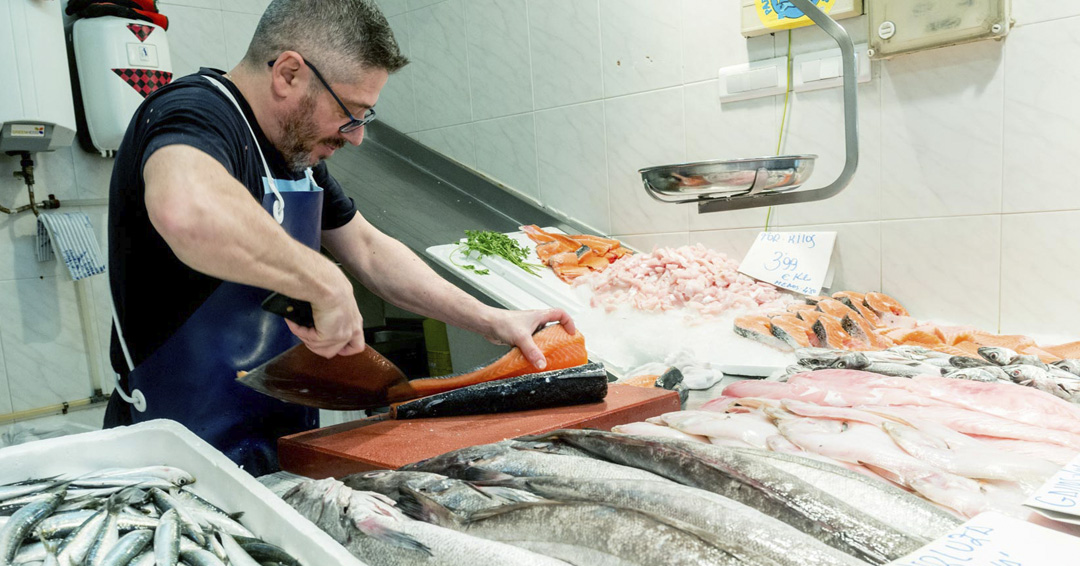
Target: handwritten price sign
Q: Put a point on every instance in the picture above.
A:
(992, 539)
(1059, 498)
(796, 261)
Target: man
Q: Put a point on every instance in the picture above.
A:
(219, 195)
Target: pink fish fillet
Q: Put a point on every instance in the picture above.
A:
(1059, 455)
(860, 443)
(752, 428)
(839, 388)
(1006, 400)
(650, 429)
(981, 424)
(778, 443)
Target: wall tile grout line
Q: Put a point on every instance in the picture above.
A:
(532, 91)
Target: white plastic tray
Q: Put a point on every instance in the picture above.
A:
(217, 479)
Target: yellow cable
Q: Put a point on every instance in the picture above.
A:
(783, 119)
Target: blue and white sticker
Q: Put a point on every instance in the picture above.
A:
(782, 14)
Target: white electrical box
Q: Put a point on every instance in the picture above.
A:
(907, 26)
(824, 69)
(36, 109)
(753, 80)
(760, 17)
(120, 63)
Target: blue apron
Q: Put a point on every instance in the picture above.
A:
(191, 378)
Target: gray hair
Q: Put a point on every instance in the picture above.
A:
(337, 34)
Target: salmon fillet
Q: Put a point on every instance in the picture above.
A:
(921, 336)
(833, 307)
(1046, 357)
(561, 349)
(1068, 351)
(1015, 342)
(953, 335)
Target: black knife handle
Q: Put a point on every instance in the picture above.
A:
(292, 309)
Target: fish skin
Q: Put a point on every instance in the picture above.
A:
(127, 548)
(972, 373)
(888, 503)
(771, 491)
(107, 538)
(1037, 378)
(144, 559)
(572, 386)
(22, 523)
(963, 362)
(457, 496)
(370, 527)
(999, 355)
(586, 533)
(739, 530)
(265, 552)
(1029, 360)
(74, 548)
(208, 514)
(561, 350)
(1070, 365)
(167, 539)
(235, 553)
(200, 557)
(762, 335)
(191, 524)
(495, 461)
(22, 489)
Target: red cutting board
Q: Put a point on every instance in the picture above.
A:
(376, 444)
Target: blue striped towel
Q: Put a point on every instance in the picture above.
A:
(72, 237)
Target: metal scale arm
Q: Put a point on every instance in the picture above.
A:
(758, 194)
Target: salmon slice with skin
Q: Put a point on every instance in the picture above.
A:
(759, 329)
(793, 330)
(830, 334)
(835, 308)
(561, 350)
(884, 304)
(548, 249)
(860, 329)
(810, 316)
(921, 336)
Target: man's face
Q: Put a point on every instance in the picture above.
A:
(309, 130)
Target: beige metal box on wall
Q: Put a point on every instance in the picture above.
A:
(907, 26)
(760, 17)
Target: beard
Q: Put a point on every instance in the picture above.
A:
(299, 136)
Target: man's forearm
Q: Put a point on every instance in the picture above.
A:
(393, 272)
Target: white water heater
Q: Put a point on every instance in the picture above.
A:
(120, 62)
(36, 110)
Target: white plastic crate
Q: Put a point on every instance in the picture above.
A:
(217, 479)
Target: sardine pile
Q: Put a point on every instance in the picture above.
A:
(121, 517)
(995, 365)
(589, 497)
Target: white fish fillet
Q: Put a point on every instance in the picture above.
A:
(750, 428)
(650, 429)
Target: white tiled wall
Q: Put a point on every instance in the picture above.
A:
(43, 352)
(964, 184)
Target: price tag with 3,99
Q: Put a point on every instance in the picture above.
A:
(993, 539)
(796, 261)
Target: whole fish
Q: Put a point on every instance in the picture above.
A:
(234, 552)
(891, 505)
(51, 549)
(1071, 366)
(22, 523)
(77, 544)
(754, 483)
(496, 461)
(127, 548)
(998, 355)
(586, 533)
(972, 373)
(167, 539)
(817, 358)
(174, 476)
(457, 496)
(372, 529)
(902, 370)
(210, 514)
(191, 525)
(1033, 376)
(741, 531)
(62, 524)
(22, 489)
(144, 559)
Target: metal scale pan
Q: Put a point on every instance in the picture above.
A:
(767, 181)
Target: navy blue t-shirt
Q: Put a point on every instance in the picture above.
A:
(155, 292)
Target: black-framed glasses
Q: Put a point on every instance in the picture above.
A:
(354, 123)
